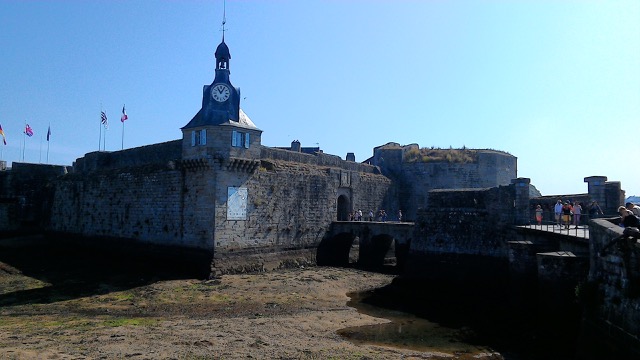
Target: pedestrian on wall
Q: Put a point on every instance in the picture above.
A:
(627, 218)
(567, 211)
(539, 214)
(595, 210)
(635, 209)
(557, 210)
(400, 215)
(359, 215)
(370, 215)
(577, 211)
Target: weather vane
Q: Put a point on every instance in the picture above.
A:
(224, 17)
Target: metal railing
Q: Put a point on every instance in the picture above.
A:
(581, 231)
(573, 228)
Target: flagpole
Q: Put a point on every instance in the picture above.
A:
(24, 133)
(100, 127)
(123, 118)
(48, 135)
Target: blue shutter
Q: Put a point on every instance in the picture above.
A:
(203, 137)
(193, 138)
(246, 140)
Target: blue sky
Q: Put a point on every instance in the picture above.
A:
(554, 83)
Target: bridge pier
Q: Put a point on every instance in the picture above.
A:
(376, 242)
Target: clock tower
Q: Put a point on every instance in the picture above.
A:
(220, 129)
(220, 100)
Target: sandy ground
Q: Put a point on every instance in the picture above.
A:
(288, 314)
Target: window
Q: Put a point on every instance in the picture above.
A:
(199, 137)
(240, 139)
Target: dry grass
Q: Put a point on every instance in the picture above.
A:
(460, 156)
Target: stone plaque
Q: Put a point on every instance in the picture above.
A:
(345, 179)
(237, 203)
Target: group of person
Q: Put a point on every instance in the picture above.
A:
(567, 213)
(380, 216)
(629, 215)
(630, 221)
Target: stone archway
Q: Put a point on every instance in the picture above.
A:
(374, 250)
(343, 208)
(336, 250)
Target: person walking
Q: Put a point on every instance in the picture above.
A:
(566, 214)
(539, 215)
(577, 211)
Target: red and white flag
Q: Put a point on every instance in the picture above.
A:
(124, 114)
(28, 130)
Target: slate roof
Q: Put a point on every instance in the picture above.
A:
(199, 121)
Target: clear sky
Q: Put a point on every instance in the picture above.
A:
(554, 83)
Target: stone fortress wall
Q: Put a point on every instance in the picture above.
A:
(26, 196)
(416, 178)
(148, 195)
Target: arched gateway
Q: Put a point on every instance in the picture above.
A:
(343, 208)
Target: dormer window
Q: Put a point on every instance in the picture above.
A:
(240, 139)
(199, 137)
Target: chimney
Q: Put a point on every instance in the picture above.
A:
(295, 146)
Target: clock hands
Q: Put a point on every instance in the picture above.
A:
(220, 92)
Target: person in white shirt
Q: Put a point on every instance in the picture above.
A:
(557, 209)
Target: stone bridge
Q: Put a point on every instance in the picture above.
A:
(367, 242)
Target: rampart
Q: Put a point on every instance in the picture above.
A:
(461, 229)
(415, 179)
(462, 221)
(611, 297)
(25, 196)
(292, 199)
(158, 154)
(318, 159)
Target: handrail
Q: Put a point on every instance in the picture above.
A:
(580, 231)
(550, 224)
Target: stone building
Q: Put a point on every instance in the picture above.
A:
(219, 193)
(415, 173)
(216, 191)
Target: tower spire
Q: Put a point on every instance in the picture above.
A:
(222, 52)
(224, 17)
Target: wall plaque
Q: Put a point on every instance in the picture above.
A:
(237, 203)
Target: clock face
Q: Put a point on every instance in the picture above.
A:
(220, 92)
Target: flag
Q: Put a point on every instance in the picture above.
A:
(4, 139)
(103, 118)
(124, 114)
(48, 133)
(28, 130)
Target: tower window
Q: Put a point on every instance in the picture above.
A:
(240, 139)
(199, 137)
